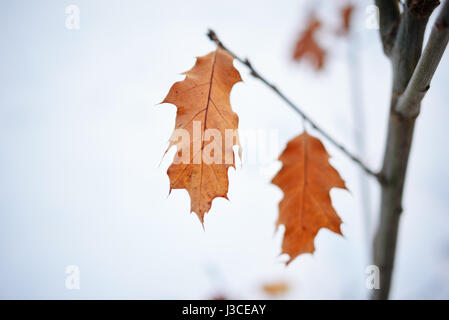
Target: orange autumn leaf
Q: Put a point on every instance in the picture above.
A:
(306, 178)
(308, 48)
(203, 114)
(275, 288)
(219, 297)
(346, 15)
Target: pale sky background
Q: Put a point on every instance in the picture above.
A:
(81, 140)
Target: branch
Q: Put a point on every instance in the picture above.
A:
(213, 37)
(408, 44)
(404, 56)
(409, 103)
(389, 21)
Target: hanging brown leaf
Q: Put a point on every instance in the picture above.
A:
(308, 48)
(306, 178)
(205, 130)
(346, 15)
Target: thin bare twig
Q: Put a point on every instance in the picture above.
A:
(213, 36)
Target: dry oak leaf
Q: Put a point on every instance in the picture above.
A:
(276, 288)
(346, 15)
(308, 48)
(306, 178)
(204, 113)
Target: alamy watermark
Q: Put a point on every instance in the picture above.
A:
(72, 20)
(373, 277)
(372, 17)
(72, 280)
(213, 146)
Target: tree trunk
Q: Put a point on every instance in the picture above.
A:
(402, 38)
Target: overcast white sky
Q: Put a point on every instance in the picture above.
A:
(81, 139)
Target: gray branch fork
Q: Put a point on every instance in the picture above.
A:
(402, 37)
